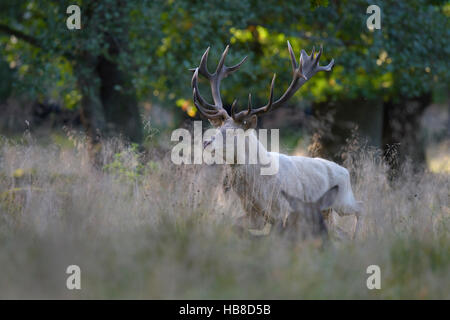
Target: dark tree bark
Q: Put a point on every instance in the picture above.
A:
(402, 131)
(392, 126)
(92, 112)
(118, 99)
(338, 121)
(109, 104)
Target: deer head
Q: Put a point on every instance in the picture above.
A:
(304, 70)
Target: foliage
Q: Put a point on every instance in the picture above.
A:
(407, 57)
(127, 166)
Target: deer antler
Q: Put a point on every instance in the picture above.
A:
(307, 67)
(210, 111)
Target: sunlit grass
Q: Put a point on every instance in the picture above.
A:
(439, 158)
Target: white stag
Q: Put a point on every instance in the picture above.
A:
(306, 178)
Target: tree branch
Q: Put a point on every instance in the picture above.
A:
(30, 40)
(20, 35)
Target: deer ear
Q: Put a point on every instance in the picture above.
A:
(253, 121)
(327, 200)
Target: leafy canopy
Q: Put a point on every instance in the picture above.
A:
(164, 38)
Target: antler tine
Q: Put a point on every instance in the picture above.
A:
(307, 67)
(222, 69)
(316, 60)
(222, 60)
(270, 103)
(207, 110)
(230, 70)
(221, 72)
(303, 55)
(233, 108)
(300, 69)
(203, 67)
(244, 113)
(293, 61)
(210, 114)
(250, 110)
(194, 84)
(272, 85)
(328, 67)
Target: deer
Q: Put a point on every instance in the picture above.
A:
(306, 178)
(306, 218)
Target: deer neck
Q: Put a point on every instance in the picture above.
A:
(249, 153)
(247, 169)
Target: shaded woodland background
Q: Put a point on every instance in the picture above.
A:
(140, 226)
(126, 71)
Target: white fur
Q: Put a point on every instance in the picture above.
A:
(304, 177)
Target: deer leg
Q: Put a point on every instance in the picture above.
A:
(320, 227)
(263, 232)
(252, 222)
(257, 219)
(356, 212)
(357, 225)
(240, 225)
(328, 217)
(333, 226)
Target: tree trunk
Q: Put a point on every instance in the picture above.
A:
(402, 132)
(339, 121)
(92, 110)
(390, 126)
(119, 101)
(108, 105)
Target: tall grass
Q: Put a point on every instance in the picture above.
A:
(140, 227)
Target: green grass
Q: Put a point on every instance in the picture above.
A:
(140, 227)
